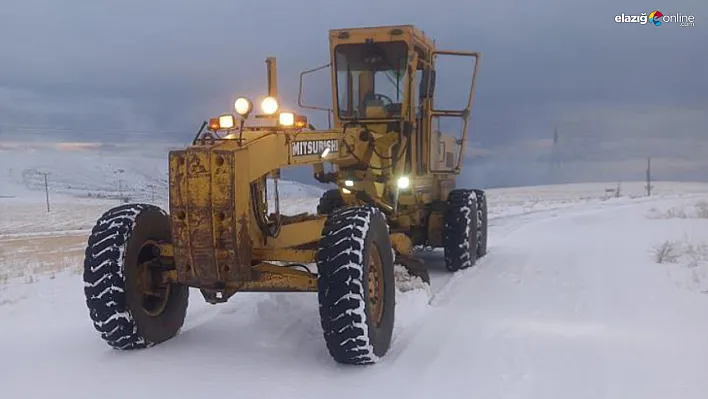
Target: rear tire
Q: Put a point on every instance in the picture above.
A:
(460, 230)
(330, 200)
(119, 244)
(356, 285)
(481, 222)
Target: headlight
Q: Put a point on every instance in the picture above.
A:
(242, 106)
(269, 105)
(403, 182)
(286, 119)
(227, 122)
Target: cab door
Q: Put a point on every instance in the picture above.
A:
(451, 84)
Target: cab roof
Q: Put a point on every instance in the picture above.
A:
(408, 31)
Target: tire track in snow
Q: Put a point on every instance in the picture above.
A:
(529, 309)
(441, 293)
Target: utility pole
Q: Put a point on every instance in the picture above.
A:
(555, 166)
(119, 172)
(152, 192)
(46, 188)
(649, 177)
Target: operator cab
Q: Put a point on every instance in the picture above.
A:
(370, 80)
(387, 79)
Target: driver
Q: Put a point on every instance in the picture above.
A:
(376, 105)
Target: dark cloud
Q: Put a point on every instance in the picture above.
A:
(616, 92)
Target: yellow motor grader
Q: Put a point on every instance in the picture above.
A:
(395, 173)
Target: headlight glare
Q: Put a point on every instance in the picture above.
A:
(286, 119)
(242, 106)
(269, 106)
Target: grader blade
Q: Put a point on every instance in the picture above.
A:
(416, 267)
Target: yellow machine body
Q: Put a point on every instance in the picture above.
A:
(223, 238)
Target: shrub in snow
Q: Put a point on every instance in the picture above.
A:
(697, 211)
(702, 210)
(666, 252)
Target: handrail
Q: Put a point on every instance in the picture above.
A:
(299, 95)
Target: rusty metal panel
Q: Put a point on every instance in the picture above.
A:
(198, 198)
(245, 235)
(224, 215)
(178, 215)
(206, 226)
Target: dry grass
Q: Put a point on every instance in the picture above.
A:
(685, 252)
(667, 252)
(689, 262)
(28, 258)
(696, 254)
(702, 210)
(697, 211)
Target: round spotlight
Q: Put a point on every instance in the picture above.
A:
(242, 106)
(269, 105)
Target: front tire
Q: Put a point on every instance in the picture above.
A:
(117, 277)
(330, 200)
(356, 285)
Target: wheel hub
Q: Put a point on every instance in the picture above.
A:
(376, 287)
(154, 292)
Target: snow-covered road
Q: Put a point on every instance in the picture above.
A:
(566, 307)
(567, 304)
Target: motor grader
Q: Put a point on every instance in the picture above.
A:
(395, 174)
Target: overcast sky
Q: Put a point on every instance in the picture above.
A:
(98, 70)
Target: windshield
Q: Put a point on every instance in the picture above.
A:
(370, 79)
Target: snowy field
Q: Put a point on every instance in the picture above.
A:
(584, 294)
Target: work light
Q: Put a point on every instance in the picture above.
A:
(269, 105)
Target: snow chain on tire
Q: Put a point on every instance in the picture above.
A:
(109, 265)
(348, 239)
(460, 230)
